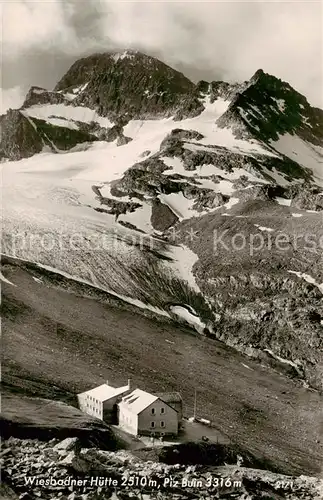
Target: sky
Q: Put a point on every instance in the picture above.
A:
(215, 40)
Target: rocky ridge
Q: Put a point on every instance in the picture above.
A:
(268, 107)
(130, 85)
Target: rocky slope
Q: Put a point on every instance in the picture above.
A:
(274, 310)
(62, 469)
(160, 167)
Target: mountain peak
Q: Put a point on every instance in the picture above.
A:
(258, 74)
(127, 82)
(267, 107)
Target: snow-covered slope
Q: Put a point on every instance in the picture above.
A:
(303, 152)
(62, 115)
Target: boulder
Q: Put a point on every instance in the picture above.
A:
(67, 444)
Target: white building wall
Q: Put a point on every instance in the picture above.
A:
(127, 420)
(90, 405)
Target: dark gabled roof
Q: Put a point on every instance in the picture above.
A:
(169, 397)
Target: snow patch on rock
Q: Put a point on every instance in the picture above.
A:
(70, 114)
(182, 265)
(5, 280)
(286, 361)
(283, 201)
(190, 317)
(263, 228)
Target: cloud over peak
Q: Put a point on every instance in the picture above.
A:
(213, 40)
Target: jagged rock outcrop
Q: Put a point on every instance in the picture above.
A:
(184, 145)
(208, 199)
(219, 89)
(189, 107)
(116, 207)
(23, 136)
(142, 179)
(181, 135)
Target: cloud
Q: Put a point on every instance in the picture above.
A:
(11, 98)
(28, 25)
(223, 40)
(232, 39)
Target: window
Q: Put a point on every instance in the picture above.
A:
(162, 423)
(152, 424)
(153, 411)
(162, 410)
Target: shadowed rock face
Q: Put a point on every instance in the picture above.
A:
(267, 107)
(61, 138)
(19, 139)
(131, 83)
(162, 217)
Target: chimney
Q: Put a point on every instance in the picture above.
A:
(107, 382)
(129, 383)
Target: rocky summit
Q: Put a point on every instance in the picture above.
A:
(282, 110)
(128, 84)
